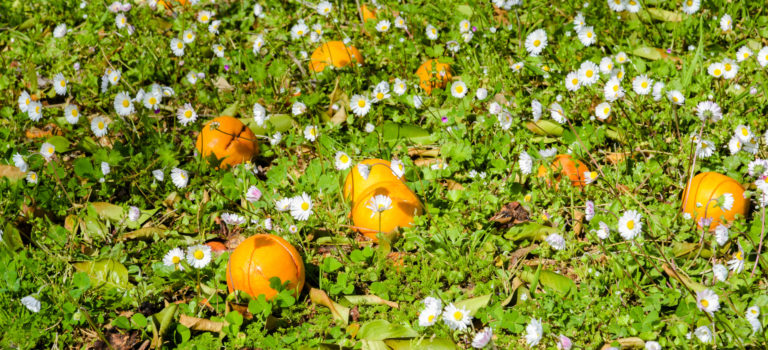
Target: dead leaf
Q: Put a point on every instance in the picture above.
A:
(452, 185)
(45, 131)
(354, 313)
(627, 343)
(426, 152)
(11, 172)
(511, 214)
(201, 324)
(578, 218)
(370, 300)
(222, 85)
(339, 312)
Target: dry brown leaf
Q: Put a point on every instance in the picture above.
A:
(201, 324)
(511, 214)
(222, 85)
(11, 172)
(339, 312)
(627, 343)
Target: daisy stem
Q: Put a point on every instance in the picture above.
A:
(760, 246)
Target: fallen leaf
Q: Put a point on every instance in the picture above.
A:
(339, 312)
(202, 324)
(626, 343)
(11, 172)
(222, 85)
(511, 214)
(369, 300)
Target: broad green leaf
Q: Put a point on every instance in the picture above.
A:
(409, 132)
(680, 249)
(108, 211)
(421, 344)
(340, 313)
(277, 122)
(160, 322)
(545, 128)
(664, 15)
(654, 54)
(144, 234)
(465, 10)
(369, 300)
(559, 283)
(60, 143)
(382, 330)
(105, 272)
(473, 305)
(530, 230)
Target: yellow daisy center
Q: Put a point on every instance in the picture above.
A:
(644, 84)
(631, 224)
(175, 260)
(606, 110)
(574, 81)
(63, 83)
(199, 255)
(593, 175)
(589, 73)
(728, 67)
(458, 315)
(187, 114)
(704, 302)
(344, 158)
(101, 125)
(126, 103)
(738, 256)
(361, 103)
(717, 72)
(305, 206)
(431, 318)
(527, 198)
(379, 95)
(300, 32)
(744, 131)
(589, 34)
(152, 100)
(459, 89)
(180, 45)
(26, 102)
(536, 42)
(689, 2)
(615, 88)
(50, 150)
(204, 18)
(674, 98)
(74, 113)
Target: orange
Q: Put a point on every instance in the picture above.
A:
(565, 165)
(701, 194)
(261, 257)
(405, 205)
(168, 5)
(433, 74)
(380, 171)
(216, 246)
(368, 14)
(334, 53)
(232, 141)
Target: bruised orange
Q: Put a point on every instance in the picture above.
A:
(405, 205)
(433, 74)
(565, 165)
(700, 198)
(167, 3)
(231, 141)
(216, 246)
(379, 171)
(259, 258)
(368, 14)
(334, 53)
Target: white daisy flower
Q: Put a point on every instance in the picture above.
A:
(383, 26)
(556, 241)
(557, 113)
(630, 225)
(218, 50)
(213, 28)
(755, 324)
(572, 82)
(417, 101)
(359, 105)
(400, 23)
(31, 303)
(737, 263)
(703, 333)
(613, 90)
(622, 57)
(762, 56)
(369, 128)
(299, 30)
(734, 145)
(114, 76)
(324, 8)
(301, 207)
(464, 26)
(705, 149)
(19, 162)
(121, 21)
(458, 89)
(726, 23)
(720, 272)
(298, 108)
(604, 231)
(536, 109)
(721, 234)
(481, 94)
(431, 32)
(590, 177)
(134, 213)
(632, 6)
(536, 42)
(258, 43)
(606, 65)
(71, 114)
(743, 54)
(753, 312)
(455, 318)
(204, 16)
(588, 73)
(716, 69)
(123, 104)
(578, 21)
(177, 47)
(730, 69)
(199, 256)
(186, 114)
(533, 332)
(253, 194)
(105, 169)
(709, 110)
(258, 10)
(276, 138)
(603, 111)
(482, 338)
(24, 101)
(259, 114)
(428, 317)
(60, 31)
(342, 161)
(397, 167)
(363, 170)
(379, 203)
(399, 87)
(158, 174)
(658, 88)
(32, 177)
(587, 36)
(642, 85)
(283, 204)
(691, 6)
(494, 108)
(47, 150)
(174, 258)
(676, 97)
(311, 133)
(188, 36)
(616, 5)
(505, 120)
(548, 152)
(152, 99)
(744, 133)
(60, 84)
(99, 126)
(525, 162)
(232, 219)
(707, 301)
(180, 177)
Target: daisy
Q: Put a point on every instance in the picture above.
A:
(324, 8)
(616, 5)
(642, 85)
(31, 303)
(481, 94)
(383, 26)
(167, 91)
(431, 32)
(762, 56)
(705, 149)
(622, 57)
(428, 316)
(186, 114)
(658, 87)
(121, 21)
(71, 114)
(587, 36)
(298, 108)
(557, 113)
(399, 87)
(505, 120)
(726, 23)
(123, 104)
(218, 50)
(572, 82)
(743, 54)
(517, 66)
(676, 97)
(533, 332)
(299, 30)
(737, 263)
(174, 258)
(589, 209)
(720, 272)
(482, 338)
(32, 177)
(417, 101)
(630, 224)
(380, 94)
(709, 110)
(258, 43)
(603, 231)
(105, 169)
(703, 333)
(283, 204)
(632, 6)
(734, 145)
(525, 162)
(177, 47)
(556, 241)
(707, 301)
(180, 177)
(603, 111)
(276, 138)
(755, 324)
(47, 150)
(232, 219)
(400, 23)
(588, 73)
(464, 26)
(259, 114)
(536, 42)
(113, 76)
(342, 161)
(458, 89)
(397, 167)
(455, 318)
(19, 162)
(548, 152)
(258, 11)
(24, 101)
(613, 90)
(152, 99)
(99, 126)
(60, 31)
(301, 207)
(60, 84)
(369, 128)
(252, 194)
(716, 69)
(590, 177)
(363, 170)
(134, 213)
(158, 174)
(536, 109)
(606, 65)
(199, 256)
(578, 21)
(753, 312)
(691, 6)
(204, 16)
(379, 203)
(494, 108)
(721, 234)
(359, 105)
(311, 133)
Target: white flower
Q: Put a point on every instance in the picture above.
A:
(134, 213)
(174, 258)
(18, 161)
(105, 169)
(186, 114)
(383, 26)
(658, 88)
(744, 133)
(588, 73)
(199, 256)
(213, 28)
(743, 54)
(60, 31)
(556, 241)
(652, 345)
(603, 111)
(31, 303)
(400, 23)
(482, 338)
(257, 44)
(737, 263)
(71, 114)
(311, 133)
(709, 110)
(703, 333)
(379, 203)
(299, 30)
(536, 42)
(60, 84)
(359, 105)
(298, 108)
(630, 224)
(464, 26)
(283, 204)
(431, 32)
(494, 108)
(755, 324)
(252, 194)
(218, 50)
(113, 76)
(589, 210)
(762, 56)
(505, 119)
(180, 177)
(381, 92)
(548, 152)
(32, 177)
(399, 87)
(613, 90)
(716, 69)
(589, 177)
(642, 85)
(707, 301)
(557, 113)
(720, 272)
(24, 101)
(572, 82)
(99, 126)
(120, 21)
(47, 150)
(433, 303)
(275, 139)
(232, 219)
(606, 65)
(123, 105)
(526, 163)
(259, 114)
(428, 317)
(705, 149)
(721, 234)
(458, 89)
(363, 170)
(158, 174)
(324, 8)
(301, 207)
(152, 99)
(676, 97)
(616, 5)
(204, 16)
(632, 6)
(730, 69)
(188, 36)
(342, 161)
(690, 7)
(455, 318)
(536, 109)
(533, 332)
(397, 167)
(578, 21)
(417, 101)
(258, 10)
(587, 36)
(603, 231)
(481, 94)
(753, 312)
(369, 128)
(177, 47)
